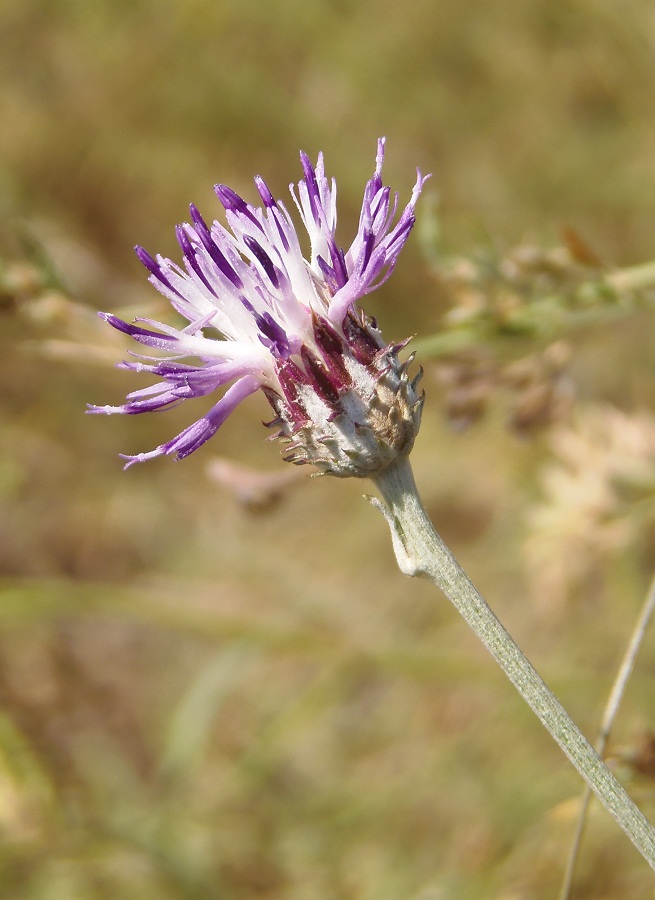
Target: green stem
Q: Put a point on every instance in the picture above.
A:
(420, 551)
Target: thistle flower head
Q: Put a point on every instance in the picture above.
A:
(261, 315)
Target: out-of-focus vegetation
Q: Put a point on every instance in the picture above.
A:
(214, 685)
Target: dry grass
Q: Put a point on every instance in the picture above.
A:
(202, 700)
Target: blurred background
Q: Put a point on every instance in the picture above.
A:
(214, 682)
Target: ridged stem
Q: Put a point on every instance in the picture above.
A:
(420, 551)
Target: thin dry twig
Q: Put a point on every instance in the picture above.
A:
(609, 716)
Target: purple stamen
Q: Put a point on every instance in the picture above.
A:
(264, 192)
(210, 245)
(154, 267)
(140, 334)
(262, 257)
(190, 253)
(312, 186)
(339, 263)
(234, 203)
(329, 276)
(274, 334)
(367, 248)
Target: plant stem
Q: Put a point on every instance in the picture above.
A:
(420, 551)
(633, 278)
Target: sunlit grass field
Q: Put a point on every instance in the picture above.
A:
(211, 688)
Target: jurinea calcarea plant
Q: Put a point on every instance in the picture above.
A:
(263, 316)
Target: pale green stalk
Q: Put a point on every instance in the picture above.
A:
(633, 279)
(420, 551)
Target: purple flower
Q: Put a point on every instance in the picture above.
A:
(261, 315)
